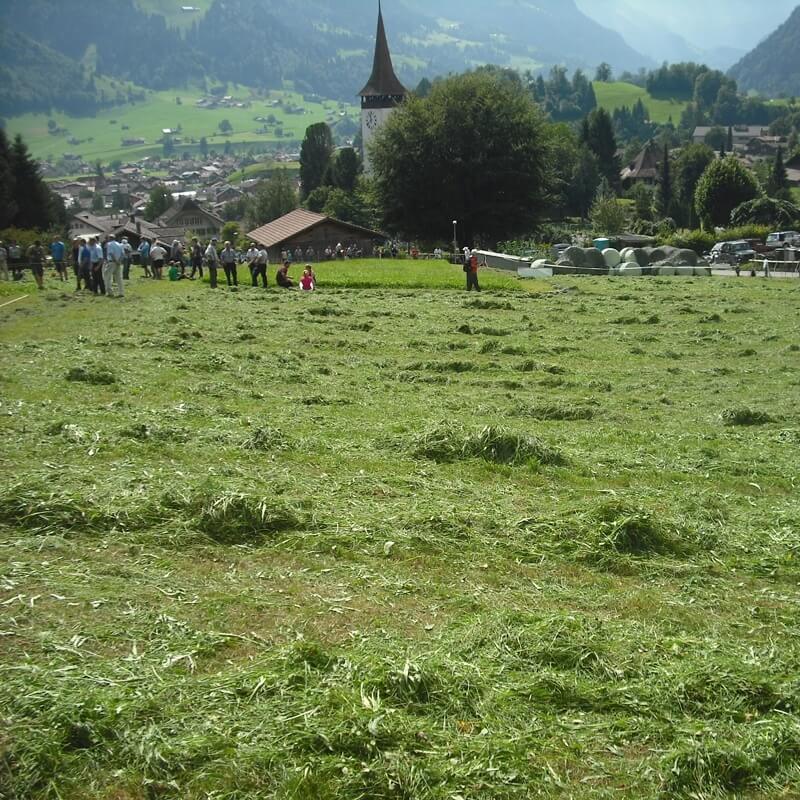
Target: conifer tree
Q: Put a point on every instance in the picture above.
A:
(8, 206)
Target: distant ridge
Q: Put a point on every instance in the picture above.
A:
(773, 67)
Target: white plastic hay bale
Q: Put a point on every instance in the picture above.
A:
(627, 255)
(684, 269)
(613, 270)
(612, 257)
(664, 269)
(630, 269)
(539, 263)
(702, 271)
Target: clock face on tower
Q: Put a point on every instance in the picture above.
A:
(372, 120)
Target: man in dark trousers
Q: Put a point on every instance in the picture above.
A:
(229, 264)
(471, 268)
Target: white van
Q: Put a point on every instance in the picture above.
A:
(783, 239)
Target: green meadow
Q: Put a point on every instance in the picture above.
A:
(393, 540)
(616, 95)
(161, 110)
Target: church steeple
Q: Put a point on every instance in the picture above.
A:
(383, 82)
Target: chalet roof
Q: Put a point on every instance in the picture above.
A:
(645, 165)
(383, 81)
(297, 222)
(187, 204)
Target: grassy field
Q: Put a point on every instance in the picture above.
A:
(398, 542)
(617, 95)
(147, 120)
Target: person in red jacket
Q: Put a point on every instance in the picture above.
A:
(471, 268)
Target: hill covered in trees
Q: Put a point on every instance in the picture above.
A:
(773, 67)
(319, 46)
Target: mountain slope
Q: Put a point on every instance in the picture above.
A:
(773, 68)
(715, 32)
(322, 46)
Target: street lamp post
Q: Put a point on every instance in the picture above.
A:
(455, 240)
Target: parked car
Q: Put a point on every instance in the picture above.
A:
(783, 239)
(732, 253)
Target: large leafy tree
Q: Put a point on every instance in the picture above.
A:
(725, 185)
(778, 181)
(474, 150)
(689, 168)
(160, 200)
(315, 157)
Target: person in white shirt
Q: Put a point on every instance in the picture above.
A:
(112, 268)
(157, 256)
(212, 262)
(260, 265)
(126, 258)
(251, 256)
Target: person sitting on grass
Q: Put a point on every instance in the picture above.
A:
(307, 281)
(282, 276)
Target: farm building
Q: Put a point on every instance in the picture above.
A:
(306, 229)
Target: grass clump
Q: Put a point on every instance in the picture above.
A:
(745, 416)
(97, 376)
(41, 510)
(266, 438)
(236, 518)
(558, 412)
(448, 443)
(619, 528)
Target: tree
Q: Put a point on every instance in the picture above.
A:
(225, 126)
(778, 181)
(272, 199)
(423, 88)
(8, 205)
(160, 200)
(203, 146)
(689, 168)
(603, 73)
(584, 181)
(729, 140)
(597, 132)
(230, 232)
(607, 216)
(725, 185)
(344, 169)
(32, 196)
(779, 214)
(642, 202)
(716, 137)
(315, 156)
(664, 187)
(473, 151)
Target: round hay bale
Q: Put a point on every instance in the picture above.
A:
(664, 269)
(594, 261)
(669, 250)
(540, 262)
(575, 256)
(684, 269)
(656, 254)
(630, 269)
(702, 271)
(639, 256)
(611, 257)
(688, 257)
(563, 262)
(626, 255)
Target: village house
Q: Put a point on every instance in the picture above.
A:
(304, 229)
(644, 168)
(188, 214)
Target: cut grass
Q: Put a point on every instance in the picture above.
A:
(389, 540)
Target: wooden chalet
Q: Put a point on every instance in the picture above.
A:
(304, 229)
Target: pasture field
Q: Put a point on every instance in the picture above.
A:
(393, 540)
(147, 120)
(619, 94)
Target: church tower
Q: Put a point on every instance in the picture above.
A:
(383, 92)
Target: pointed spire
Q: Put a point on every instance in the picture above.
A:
(383, 81)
